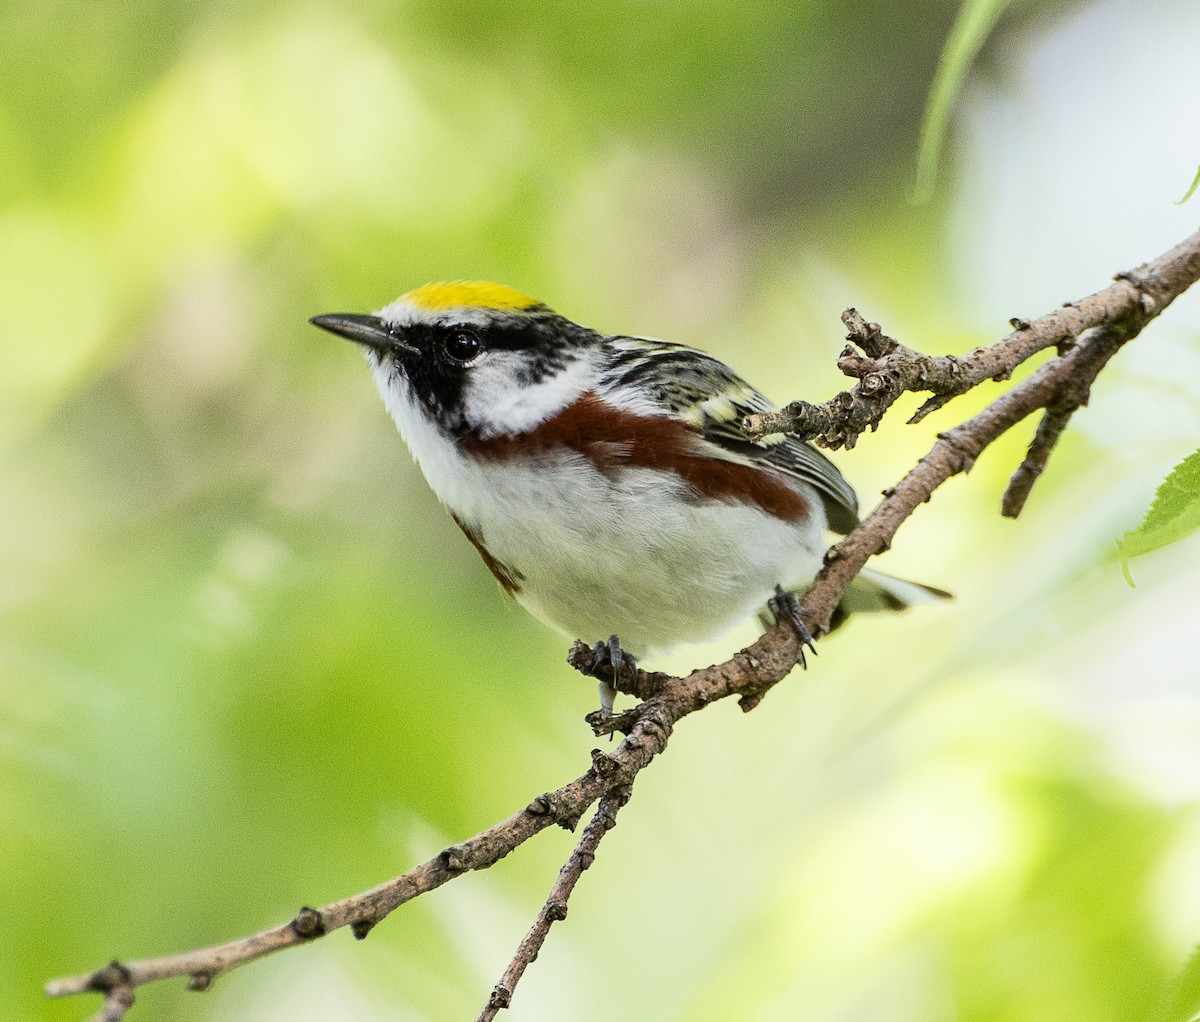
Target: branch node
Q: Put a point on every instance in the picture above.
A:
(568, 821)
(750, 700)
(868, 336)
(455, 859)
(501, 997)
(604, 723)
(113, 975)
(603, 763)
(657, 727)
(556, 911)
(200, 981)
(931, 405)
(966, 454)
(308, 924)
(850, 360)
(1137, 277)
(361, 927)
(872, 383)
(540, 806)
(1018, 323)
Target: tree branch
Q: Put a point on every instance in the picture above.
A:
(889, 368)
(555, 908)
(1059, 387)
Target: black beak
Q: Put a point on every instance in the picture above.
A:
(369, 331)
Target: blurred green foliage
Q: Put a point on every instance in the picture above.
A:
(975, 22)
(1191, 189)
(246, 662)
(1174, 515)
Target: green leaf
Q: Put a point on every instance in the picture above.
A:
(974, 24)
(1183, 1002)
(1174, 514)
(1192, 190)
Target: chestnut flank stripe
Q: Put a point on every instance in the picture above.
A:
(509, 578)
(613, 439)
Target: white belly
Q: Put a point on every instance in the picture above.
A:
(636, 555)
(633, 554)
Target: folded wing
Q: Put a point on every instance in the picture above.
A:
(655, 377)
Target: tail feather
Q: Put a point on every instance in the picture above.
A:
(872, 591)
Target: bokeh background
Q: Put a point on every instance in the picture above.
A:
(246, 662)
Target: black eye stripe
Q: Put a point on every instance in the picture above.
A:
(530, 348)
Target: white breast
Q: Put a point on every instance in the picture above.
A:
(633, 553)
(636, 554)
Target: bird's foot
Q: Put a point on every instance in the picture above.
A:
(609, 664)
(786, 607)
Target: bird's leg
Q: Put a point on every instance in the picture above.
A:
(786, 607)
(609, 664)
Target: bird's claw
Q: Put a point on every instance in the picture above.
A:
(785, 606)
(609, 664)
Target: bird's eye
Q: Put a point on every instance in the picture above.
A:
(462, 346)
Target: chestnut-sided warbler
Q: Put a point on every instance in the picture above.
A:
(605, 479)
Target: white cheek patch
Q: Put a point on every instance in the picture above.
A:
(496, 406)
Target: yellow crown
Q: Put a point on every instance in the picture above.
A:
(469, 294)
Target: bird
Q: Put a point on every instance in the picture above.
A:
(605, 479)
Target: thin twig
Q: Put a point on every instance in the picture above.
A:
(117, 1002)
(1054, 421)
(1062, 383)
(891, 368)
(555, 908)
(1072, 395)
